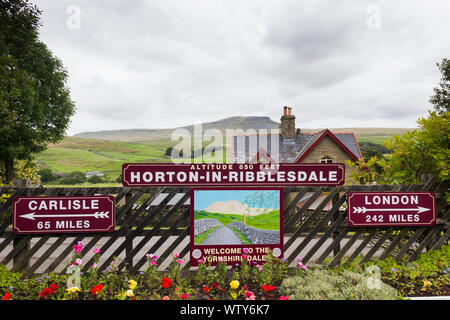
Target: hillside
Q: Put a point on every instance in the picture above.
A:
(140, 135)
(376, 135)
(105, 151)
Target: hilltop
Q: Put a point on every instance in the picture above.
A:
(140, 135)
(376, 135)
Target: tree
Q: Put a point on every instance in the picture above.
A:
(261, 199)
(419, 153)
(441, 98)
(47, 175)
(75, 177)
(370, 149)
(35, 104)
(95, 179)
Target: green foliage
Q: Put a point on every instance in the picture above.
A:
(371, 149)
(415, 154)
(428, 275)
(24, 170)
(47, 175)
(441, 97)
(324, 284)
(95, 179)
(267, 221)
(35, 107)
(75, 177)
(421, 152)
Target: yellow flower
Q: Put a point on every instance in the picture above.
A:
(133, 284)
(426, 283)
(234, 284)
(73, 290)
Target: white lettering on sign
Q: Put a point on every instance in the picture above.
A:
(233, 176)
(66, 204)
(391, 199)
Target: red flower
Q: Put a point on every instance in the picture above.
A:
(206, 289)
(53, 288)
(215, 285)
(267, 288)
(97, 288)
(166, 282)
(6, 296)
(45, 293)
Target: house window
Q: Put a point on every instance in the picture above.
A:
(326, 159)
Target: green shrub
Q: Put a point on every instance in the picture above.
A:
(323, 284)
(95, 179)
(75, 177)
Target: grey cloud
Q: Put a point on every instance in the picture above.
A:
(158, 63)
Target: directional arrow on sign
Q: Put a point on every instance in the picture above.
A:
(419, 209)
(33, 215)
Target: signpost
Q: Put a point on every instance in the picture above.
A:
(282, 174)
(235, 226)
(377, 209)
(39, 215)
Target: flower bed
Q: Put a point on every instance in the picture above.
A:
(248, 281)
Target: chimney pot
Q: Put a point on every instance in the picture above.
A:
(288, 124)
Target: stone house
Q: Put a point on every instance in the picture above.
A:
(290, 145)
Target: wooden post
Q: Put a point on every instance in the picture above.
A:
(20, 260)
(337, 248)
(129, 246)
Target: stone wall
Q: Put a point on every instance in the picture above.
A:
(203, 225)
(257, 236)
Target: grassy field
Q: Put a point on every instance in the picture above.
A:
(267, 221)
(87, 154)
(80, 154)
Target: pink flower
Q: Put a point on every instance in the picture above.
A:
(283, 298)
(184, 296)
(245, 250)
(153, 263)
(78, 261)
(166, 298)
(302, 266)
(151, 256)
(96, 251)
(180, 261)
(176, 255)
(248, 294)
(244, 256)
(77, 248)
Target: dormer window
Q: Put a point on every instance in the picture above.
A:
(326, 159)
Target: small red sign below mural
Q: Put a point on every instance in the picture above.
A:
(367, 209)
(236, 226)
(36, 215)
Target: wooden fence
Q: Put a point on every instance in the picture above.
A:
(156, 220)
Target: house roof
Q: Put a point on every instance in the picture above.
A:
(290, 150)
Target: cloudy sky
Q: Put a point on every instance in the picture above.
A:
(163, 64)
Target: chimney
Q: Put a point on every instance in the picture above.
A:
(288, 124)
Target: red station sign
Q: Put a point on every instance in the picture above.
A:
(77, 214)
(248, 174)
(377, 209)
